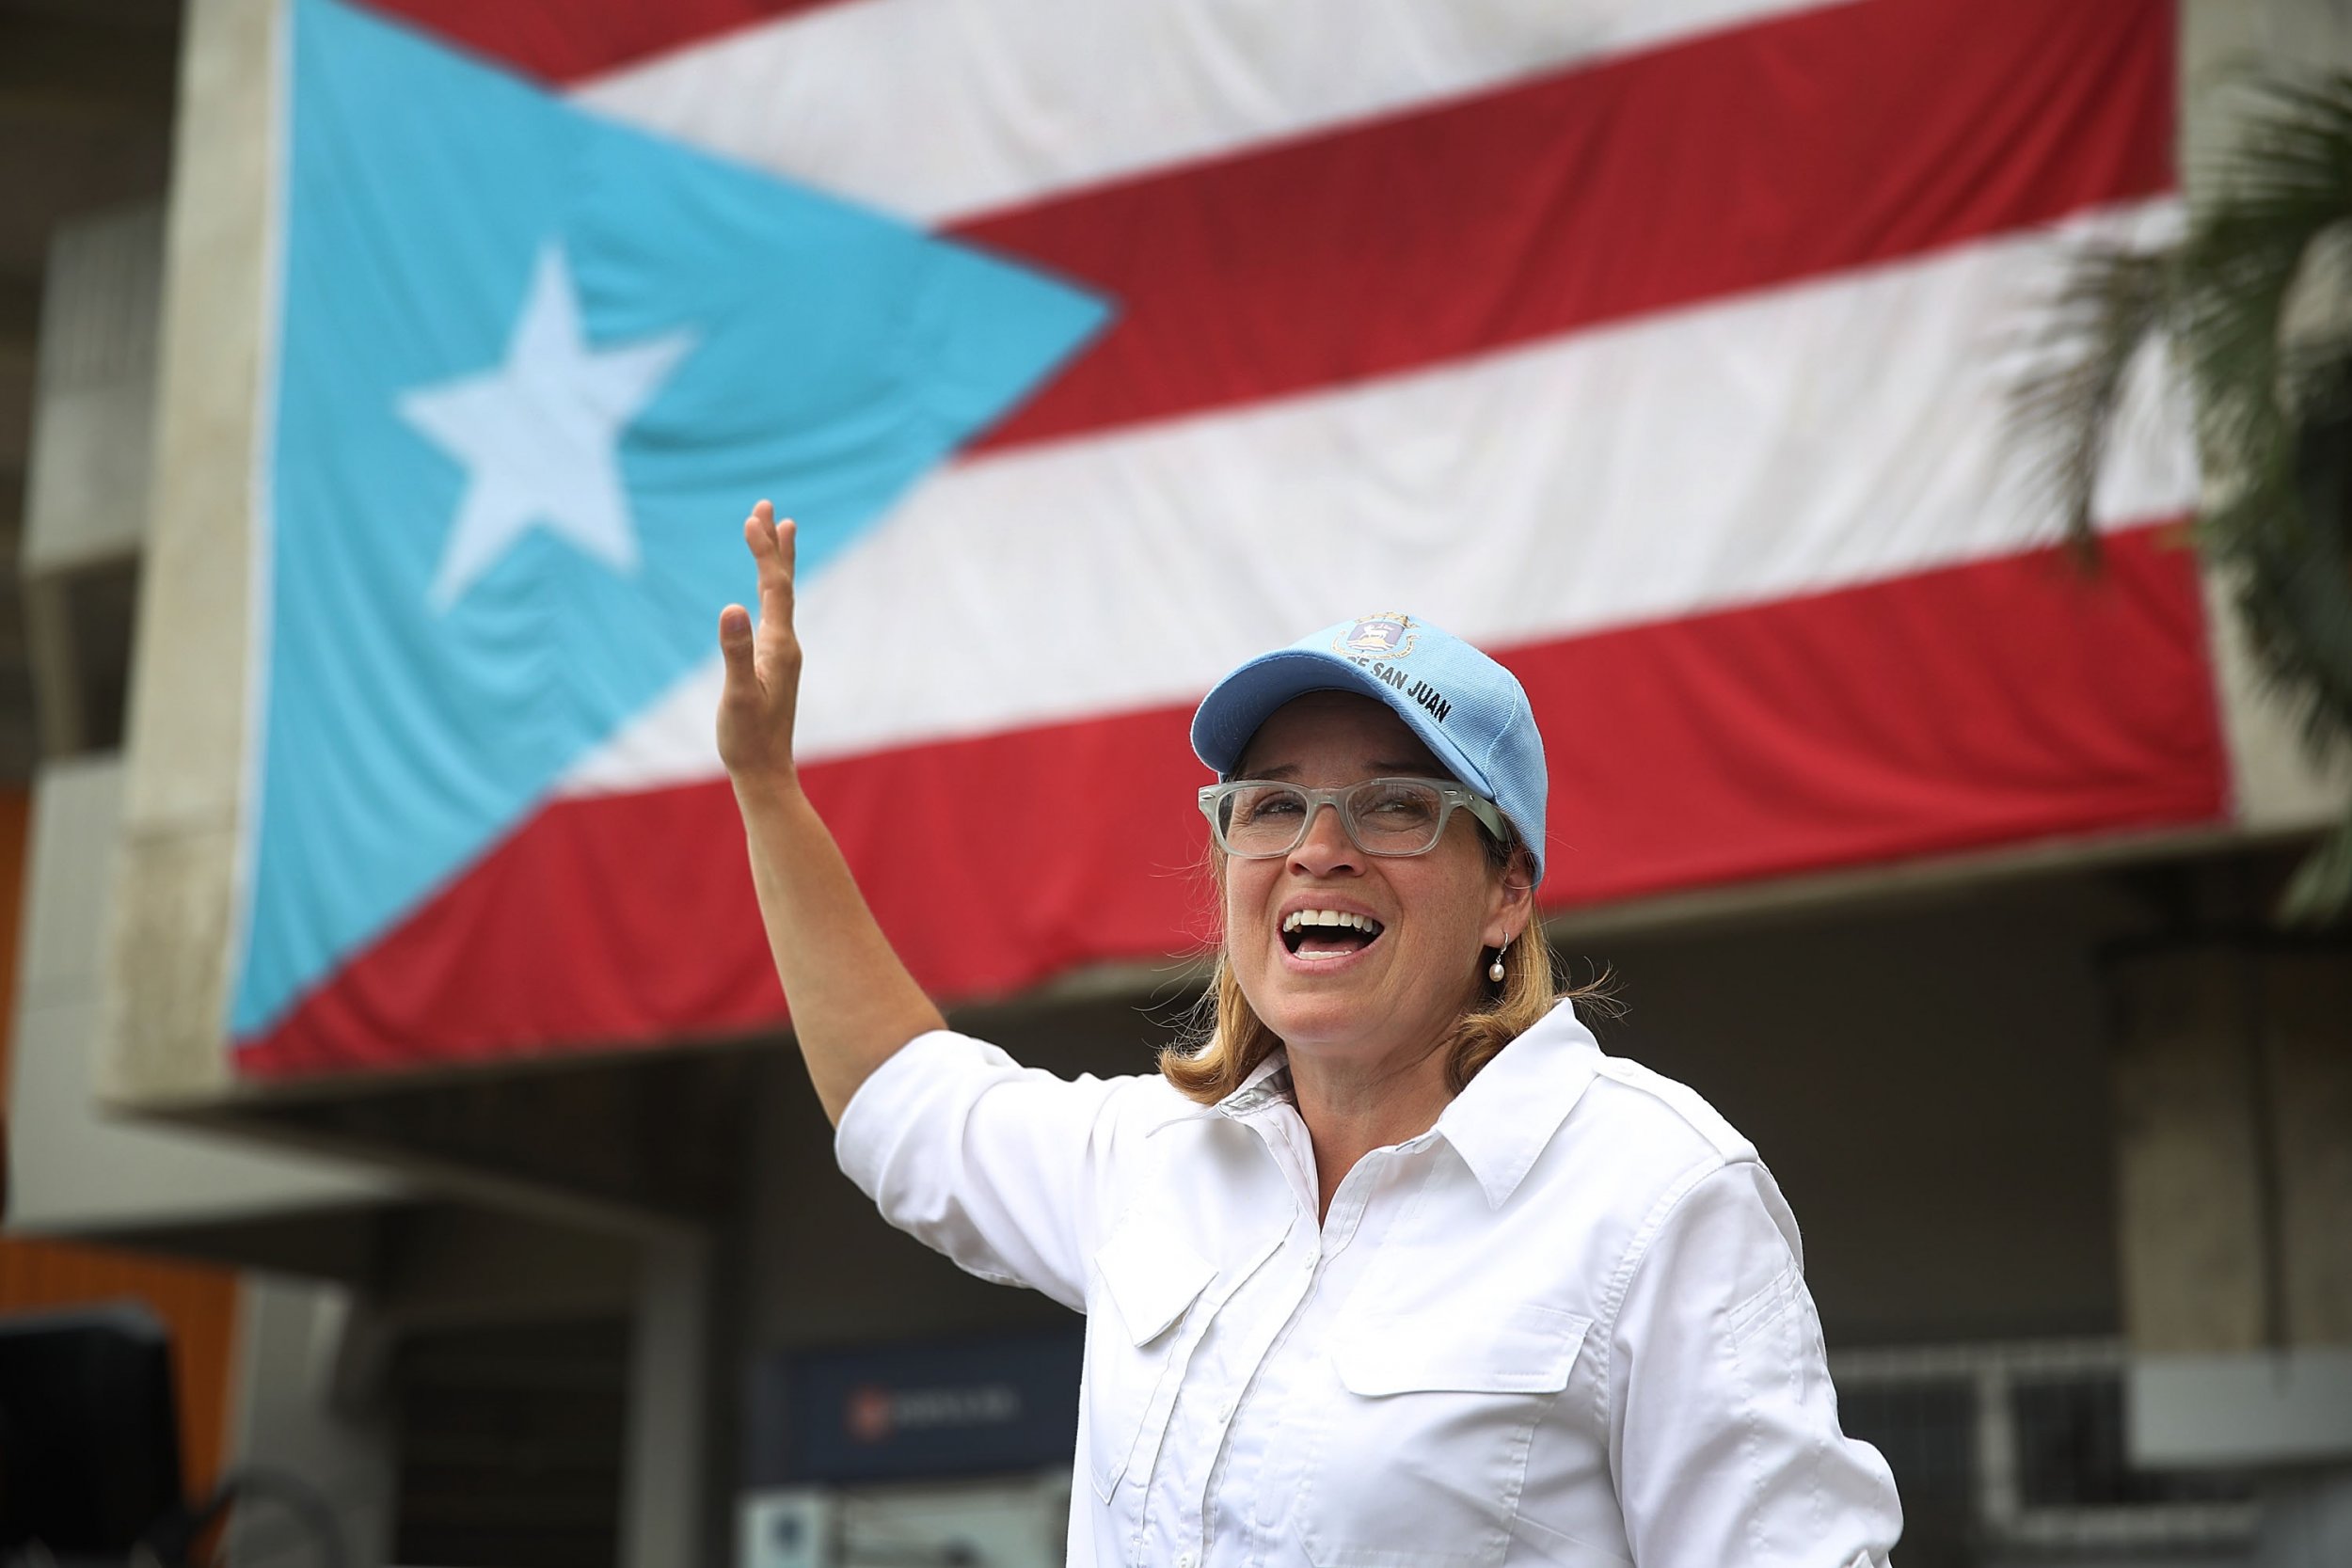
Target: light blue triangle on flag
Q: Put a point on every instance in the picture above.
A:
(533, 366)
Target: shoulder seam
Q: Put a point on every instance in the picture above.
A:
(1687, 1104)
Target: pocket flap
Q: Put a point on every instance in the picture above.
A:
(1151, 1276)
(1529, 1350)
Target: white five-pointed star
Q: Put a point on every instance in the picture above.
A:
(539, 436)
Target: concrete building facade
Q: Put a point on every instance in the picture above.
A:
(2068, 1125)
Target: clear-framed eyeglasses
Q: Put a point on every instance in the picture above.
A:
(1258, 818)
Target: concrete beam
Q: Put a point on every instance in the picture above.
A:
(187, 726)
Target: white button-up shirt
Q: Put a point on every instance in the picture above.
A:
(1569, 1324)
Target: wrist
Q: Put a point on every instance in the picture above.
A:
(766, 788)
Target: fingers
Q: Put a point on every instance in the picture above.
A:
(772, 547)
(762, 658)
(735, 644)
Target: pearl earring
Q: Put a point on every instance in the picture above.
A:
(1494, 970)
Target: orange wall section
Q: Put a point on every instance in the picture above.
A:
(198, 1304)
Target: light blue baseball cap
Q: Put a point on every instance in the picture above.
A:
(1465, 708)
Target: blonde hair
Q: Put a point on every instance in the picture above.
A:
(1229, 1039)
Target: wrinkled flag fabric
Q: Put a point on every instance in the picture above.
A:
(1661, 349)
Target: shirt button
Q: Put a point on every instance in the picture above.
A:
(1225, 1411)
(1185, 1561)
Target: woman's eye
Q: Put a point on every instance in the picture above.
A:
(1268, 808)
(1398, 805)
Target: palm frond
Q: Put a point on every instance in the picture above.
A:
(2298, 613)
(2279, 190)
(2115, 301)
(2322, 885)
(2255, 302)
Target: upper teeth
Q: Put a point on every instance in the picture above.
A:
(1297, 918)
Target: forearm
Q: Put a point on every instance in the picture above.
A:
(853, 1002)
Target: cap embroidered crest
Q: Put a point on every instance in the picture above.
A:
(1389, 635)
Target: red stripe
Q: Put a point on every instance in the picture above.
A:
(1983, 704)
(569, 41)
(1823, 141)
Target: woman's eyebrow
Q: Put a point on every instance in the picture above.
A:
(1381, 767)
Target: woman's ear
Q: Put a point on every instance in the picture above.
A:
(1514, 900)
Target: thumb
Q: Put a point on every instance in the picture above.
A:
(735, 644)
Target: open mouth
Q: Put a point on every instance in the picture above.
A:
(1327, 933)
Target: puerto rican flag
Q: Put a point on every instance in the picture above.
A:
(1659, 346)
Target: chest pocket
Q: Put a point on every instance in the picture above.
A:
(1148, 1282)
(1530, 1351)
(1423, 1465)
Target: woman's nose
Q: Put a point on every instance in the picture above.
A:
(1326, 846)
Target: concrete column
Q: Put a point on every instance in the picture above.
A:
(185, 733)
(664, 1502)
(2233, 1079)
(2233, 1071)
(301, 1433)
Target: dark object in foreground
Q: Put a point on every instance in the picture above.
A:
(89, 1448)
(89, 1442)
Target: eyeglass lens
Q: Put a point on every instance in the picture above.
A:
(1383, 816)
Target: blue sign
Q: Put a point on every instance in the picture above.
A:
(907, 1412)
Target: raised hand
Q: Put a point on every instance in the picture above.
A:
(763, 684)
(853, 1002)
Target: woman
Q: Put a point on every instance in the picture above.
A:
(1397, 1270)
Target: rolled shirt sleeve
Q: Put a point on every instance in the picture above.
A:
(1724, 1440)
(1003, 1168)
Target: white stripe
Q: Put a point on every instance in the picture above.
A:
(1817, 437)
(937, 109)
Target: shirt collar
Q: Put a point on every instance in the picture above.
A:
(1497, 1125)
(1268, 1083)
(1500, 1122)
